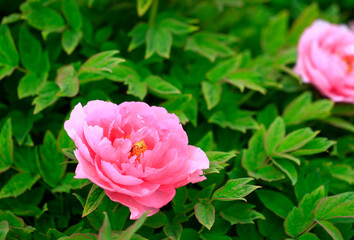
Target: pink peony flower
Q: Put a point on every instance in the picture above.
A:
(138, 154)
(326, 59)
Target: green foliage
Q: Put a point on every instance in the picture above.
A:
(224, 67)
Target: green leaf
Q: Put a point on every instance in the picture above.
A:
(160, 86)
(276, 202)
(211, 45)
(343, 172)
(94, 198)
(100, 62)
(25, 158)
(246, 79)
(274, 135)
(30, 84)
(32, 56)
(308, 236)
(67, 81)
(314, 146)
(18, 184)
(340, 123)
(129, 232)
(296, 140)
(224, 68)
(300, 218)
(105, 232)
(157, 220)
(138, 35)
(51, 163)
(177, 27)
(4, 229)
(331, 229)
(234, 189)
(211, 93)
(43, 18)
(6, 146)
(8, 54)
(70, 183)
(47, 95)
(70, 40)
(304, 20)
(274, 34)
(173, 231)
(72, 14)
(158, 41)
(241, 213)
(301, 109)
(143, 6)
(205, 214)
(136, 87)
(338, 206)
(14, 17)
(287, 168)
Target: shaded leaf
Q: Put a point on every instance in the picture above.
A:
(93, 199)
(205, 214)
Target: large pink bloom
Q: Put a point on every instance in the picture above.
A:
(326, 59)
(138, 154)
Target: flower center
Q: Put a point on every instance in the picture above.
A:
(137, 149)
(349, 60)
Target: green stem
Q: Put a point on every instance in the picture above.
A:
(22, 69)
(153, 13)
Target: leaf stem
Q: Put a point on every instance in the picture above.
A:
(153, 13)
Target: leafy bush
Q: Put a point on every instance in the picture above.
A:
(224, 67)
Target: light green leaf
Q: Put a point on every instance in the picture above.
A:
(296, 140)
(330, 229)
(301, 217)
(30, 84)
(51, 163)
(13, 17)
(246, 79)
(4, 229)
(274, 34)
(43, 18)
(18, 184)
(276, 202)
(234, 189)
(70, 40)
(72, 14)
(274, 135)
(105, 232)
(101, 62)
(343, 172)
(158, 41)
(6, 146)
(337, 206)
(205, 214)
(177, 27)
(94, 198)
(136, 87)
(32, 56)
(211, 93)
(224, 68)
(8, 54)
(67, 81)
(143, 6)
(47, 95)
(314, 146)
(241, 213)
(160, 86)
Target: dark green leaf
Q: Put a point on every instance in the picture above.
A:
(105, 232)
(70, 40)
(288, 168)
(276, 202)
(331, 229)
(72, 14)
(51, 163)
(6, 146)
(30, 84)
(241, 213)
(308, 236)
(8, 54)
(138, 35)
(129, 232)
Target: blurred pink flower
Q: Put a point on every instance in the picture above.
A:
(326, 60)
(138, 154)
